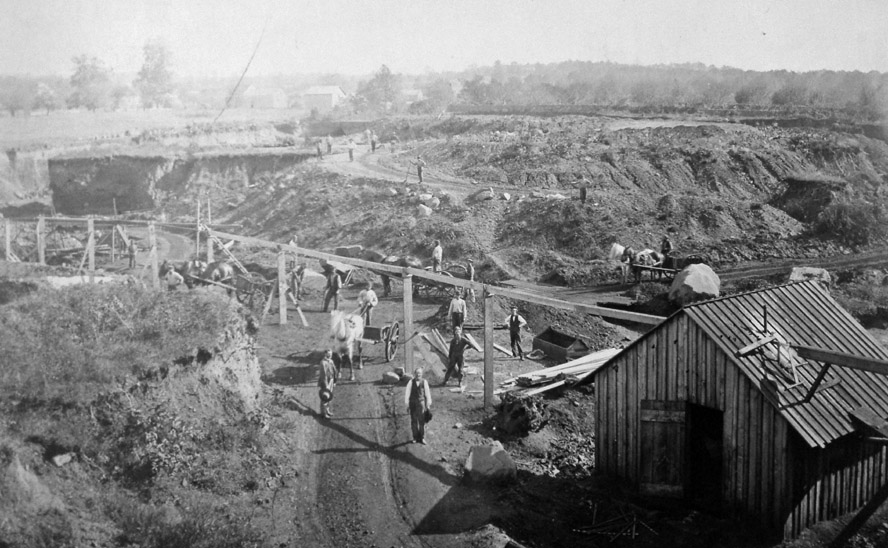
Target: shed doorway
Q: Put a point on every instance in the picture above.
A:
(705, 457)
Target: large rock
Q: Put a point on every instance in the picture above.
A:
(697, 282)
(490, 463)
(424, 210)
(390, 377)
(313, 281)
(372, 255)
(425, 197)
(482, 195)
(434, 202)
(802, 273)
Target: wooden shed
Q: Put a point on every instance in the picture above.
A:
(728, 405)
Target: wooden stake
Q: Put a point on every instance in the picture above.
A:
(8, 237)
(197, 232)
(91, 248)
(488, 349)
(152, 257)
(282, 287)
(408, 320)
(41, 240)
(113, 243)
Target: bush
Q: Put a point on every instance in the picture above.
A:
(69, 344)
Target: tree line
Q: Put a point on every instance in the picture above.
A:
(92, 86)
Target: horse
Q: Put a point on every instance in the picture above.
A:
(615, 255)
(645, 257)
(220, 272)
(345, 331)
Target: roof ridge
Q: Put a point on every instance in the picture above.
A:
(752, 292)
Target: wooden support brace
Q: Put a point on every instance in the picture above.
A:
(749, 348)
(860, 518)
(502, 349)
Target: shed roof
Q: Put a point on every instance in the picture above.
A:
(801, 313)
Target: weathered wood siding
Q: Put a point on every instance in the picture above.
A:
(679, 363)
(826, 483)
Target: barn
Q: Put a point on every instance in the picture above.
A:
(768, 405)
(322, 98)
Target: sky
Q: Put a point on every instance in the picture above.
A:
(216, 38)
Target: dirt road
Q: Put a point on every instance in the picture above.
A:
(360, 482)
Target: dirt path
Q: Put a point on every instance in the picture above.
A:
(359, 483)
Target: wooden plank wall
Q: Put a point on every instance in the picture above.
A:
(831, 482)
(678, 362)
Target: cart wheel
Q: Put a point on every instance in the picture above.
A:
(243, 288)
(391, 341)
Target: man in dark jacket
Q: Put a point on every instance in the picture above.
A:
(331, 292)
(515, 322)
(456, 356)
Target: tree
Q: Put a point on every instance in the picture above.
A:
(16, 94)
(91, 82)
(439, 93)
(47, 98)
(155, 79)
(382, 91)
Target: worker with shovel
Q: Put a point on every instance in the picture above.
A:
(419, 163)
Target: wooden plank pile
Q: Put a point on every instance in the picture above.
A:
(541, 380)
(625, 524)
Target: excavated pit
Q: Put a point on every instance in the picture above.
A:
(84, 185)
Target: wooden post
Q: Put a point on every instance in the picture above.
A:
(282, 286)
(211, 250)
(408, 322)
(8, 237)
(91, 248)
(113, 243)
(209, 212)
(488, 348)
(114, 202)
(41, 240)
(152, 243)
(197, 233)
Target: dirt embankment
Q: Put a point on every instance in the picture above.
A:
(104, 435)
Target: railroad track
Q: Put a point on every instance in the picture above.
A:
(872, 259)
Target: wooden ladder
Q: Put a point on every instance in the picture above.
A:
(224, 249)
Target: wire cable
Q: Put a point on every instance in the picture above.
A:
(246, 68)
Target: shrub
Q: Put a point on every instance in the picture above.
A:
(856, 223)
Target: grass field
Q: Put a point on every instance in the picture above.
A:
(64, 127)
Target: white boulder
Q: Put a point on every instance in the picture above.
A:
(424, 210)
(490, 463)
(802, 273)
(697, 282)
(390, 377)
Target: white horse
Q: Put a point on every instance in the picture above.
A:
(345, 332)
(616, 256)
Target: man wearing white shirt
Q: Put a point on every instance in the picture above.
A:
(366, 301)
(437, 256)
(515, 322)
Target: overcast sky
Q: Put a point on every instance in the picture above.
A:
(216, 38)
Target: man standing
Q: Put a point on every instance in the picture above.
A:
(366, 301)
(515, 323)
(437, 257)
(457, 310)
(456, 356)
(419, 163)
(367, 134)
(318, 146)
(326, 382)
(331, 291)
(351, 150)
(373, 142)
(666, 246)
(329, 144)
(294, 281)
(131, 253)
(418, 399)
(470, 272)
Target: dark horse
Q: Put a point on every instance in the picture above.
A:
(197, 272)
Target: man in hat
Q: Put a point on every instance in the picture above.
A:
(331, 291)
(367, 299)
(437, 257)
(666, 246)
(326, 382)
(456, 361)
(470, 273)
(131, 253)
(515, 322)
(418, 399)
(457, 310)
(419, 163)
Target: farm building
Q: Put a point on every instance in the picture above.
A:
(758, 405)
(322, 98)
(255, 97)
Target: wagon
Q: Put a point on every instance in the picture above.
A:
(432, 288)
(387, 335)
(252, 290)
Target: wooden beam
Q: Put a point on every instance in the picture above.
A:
(516, 294)
(282, 284)
(873, 365)
(488, 349)
(152, 257)
(503, 349)
(868, 417)
(7, 236)
(197, 233)
(408, 322)
(860, 518)
(41, 240)
(754, 346)
(91, 248)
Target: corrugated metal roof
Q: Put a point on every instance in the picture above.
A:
(801, 314)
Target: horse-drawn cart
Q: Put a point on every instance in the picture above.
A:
(387, 335)
(252, 290)
(433, 288)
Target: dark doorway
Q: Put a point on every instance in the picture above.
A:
(705, 431)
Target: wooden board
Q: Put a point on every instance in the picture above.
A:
(473, 342)
(503, 349)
